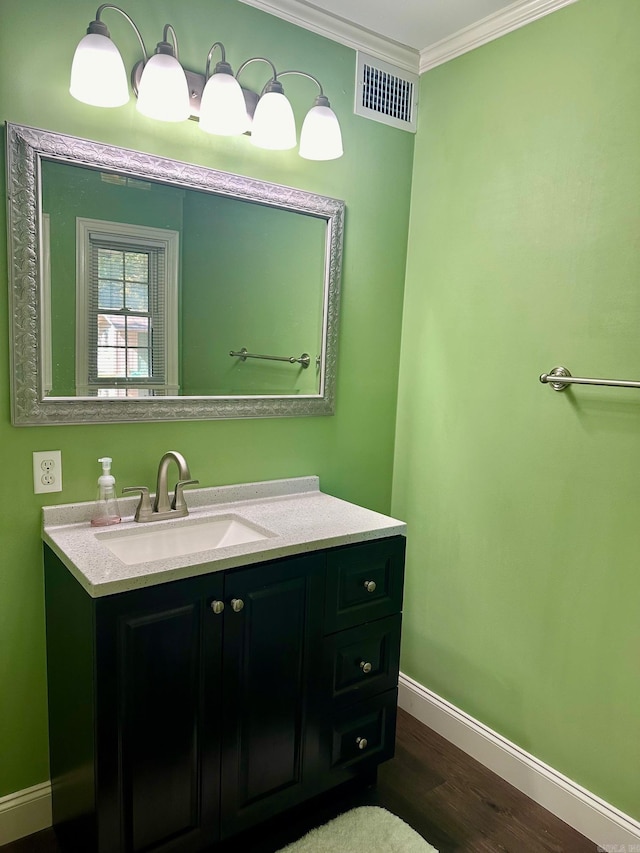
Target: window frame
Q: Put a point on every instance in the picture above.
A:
(145, 237)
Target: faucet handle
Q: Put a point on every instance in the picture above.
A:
(143, 511)
(178, 497)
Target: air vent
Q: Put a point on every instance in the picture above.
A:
(385, 93)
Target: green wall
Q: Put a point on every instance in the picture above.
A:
(352, 452)
(69, 192)
(523, 503)
(253, 278)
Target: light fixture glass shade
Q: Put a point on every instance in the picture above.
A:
(274, 126)
(163, 92)
(222, 109)
(320, 137)
(98, 76)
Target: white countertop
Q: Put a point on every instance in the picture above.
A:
(299, 517)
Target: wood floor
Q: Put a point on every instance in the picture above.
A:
(452, 801)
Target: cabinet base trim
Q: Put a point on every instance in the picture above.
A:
(25, 812)
(596, 819)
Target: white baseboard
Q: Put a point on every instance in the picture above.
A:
(599, 821)
(25, 812)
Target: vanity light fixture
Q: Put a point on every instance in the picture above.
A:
(223, 110)
(163, 91)
(320, 138)
(273, 126)
(168, 92)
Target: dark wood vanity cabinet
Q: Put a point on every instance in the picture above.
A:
(183, 713)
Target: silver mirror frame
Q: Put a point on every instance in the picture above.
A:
(26, 147)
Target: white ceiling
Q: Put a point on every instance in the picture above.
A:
(414, 34)
(414, 23)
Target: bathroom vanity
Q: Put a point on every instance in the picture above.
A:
(193, 696)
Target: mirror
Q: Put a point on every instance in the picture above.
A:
(143, 288)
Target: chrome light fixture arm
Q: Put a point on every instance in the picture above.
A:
(223, 59)
(250, 96)
(247, 62)
(101, 29)
(304, 74)
(164, 46)
(321, 99)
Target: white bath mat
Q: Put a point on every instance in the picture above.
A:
(368, 829)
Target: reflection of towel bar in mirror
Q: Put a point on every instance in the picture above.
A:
(243, 355)
(559, 378)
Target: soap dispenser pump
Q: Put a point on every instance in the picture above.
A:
(106, 509)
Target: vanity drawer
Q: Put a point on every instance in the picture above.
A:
(364, 582)
(362, 661)
(364, 731)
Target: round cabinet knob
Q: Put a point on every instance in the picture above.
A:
(237, 604)
(365, 666)
(362, 742)
(217, 607)
(370, 586)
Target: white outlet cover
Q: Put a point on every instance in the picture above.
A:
(47, 471)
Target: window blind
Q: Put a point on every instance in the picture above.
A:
(126, 308)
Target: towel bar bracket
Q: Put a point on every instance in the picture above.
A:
(547, 378)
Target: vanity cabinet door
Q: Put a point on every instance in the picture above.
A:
(271, 666)
(159, 758)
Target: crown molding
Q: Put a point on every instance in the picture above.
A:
(338, 29)
(342, 31)
(492, 27)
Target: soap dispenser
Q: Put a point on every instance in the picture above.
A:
(106, 509)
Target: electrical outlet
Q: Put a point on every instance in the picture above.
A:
(47, 471)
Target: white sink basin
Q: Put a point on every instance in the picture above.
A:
(180, 538)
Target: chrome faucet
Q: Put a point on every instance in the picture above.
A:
(162, 508)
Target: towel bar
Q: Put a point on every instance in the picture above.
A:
(243, 355)
(559, 378)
